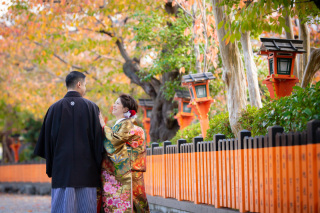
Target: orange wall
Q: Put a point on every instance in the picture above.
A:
(24, 173)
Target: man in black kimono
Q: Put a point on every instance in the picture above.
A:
(71, 141)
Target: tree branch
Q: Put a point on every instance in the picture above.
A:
(131, 68)
(187, 12)
(122, 50)
(106, 32)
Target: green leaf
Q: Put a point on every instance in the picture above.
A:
(308, 111)
(282, 21)
(226, 26)
(220, 24)
(232, 38)
(238, 36)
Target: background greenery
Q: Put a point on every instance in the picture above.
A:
(292, 113)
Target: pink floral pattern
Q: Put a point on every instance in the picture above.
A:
(116, 203)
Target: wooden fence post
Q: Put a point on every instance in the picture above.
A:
(272, 132)
(216, 174)
(313, 157)
(165, 172)
(178, 163)
(241, 170)
(153, 145)
(195, 164)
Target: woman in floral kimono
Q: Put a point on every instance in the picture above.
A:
(124, 162)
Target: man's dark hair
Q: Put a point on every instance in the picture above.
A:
(73, 78)
(129, 102)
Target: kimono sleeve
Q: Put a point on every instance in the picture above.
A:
(138, 152)
(98, 137)
(44, 144)
(117, 138)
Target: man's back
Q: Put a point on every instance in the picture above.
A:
(71, 141)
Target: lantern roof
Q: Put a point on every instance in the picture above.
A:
(146, 102)
(197, 77)
(285, 45)
(183, 94)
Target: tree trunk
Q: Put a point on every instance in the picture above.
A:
(205, 35)
(252, 77)
(304, 35)
(7, 153)
(233, 73)
(163, 125)
(290, 35)
(312, 67)
(195, 38)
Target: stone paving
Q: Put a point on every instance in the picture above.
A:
(17, 203)
(14, 203)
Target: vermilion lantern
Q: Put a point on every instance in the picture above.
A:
(15, 146)
(185, 115)
(281, 57)
(146, 105)
(198, 85)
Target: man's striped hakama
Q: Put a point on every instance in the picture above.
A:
(74, 200)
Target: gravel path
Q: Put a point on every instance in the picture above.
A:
(13, 203)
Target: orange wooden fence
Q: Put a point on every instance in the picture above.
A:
(24, 173)
(279, 172)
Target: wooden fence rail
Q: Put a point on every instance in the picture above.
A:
(279, 172)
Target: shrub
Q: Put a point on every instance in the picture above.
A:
(247, 117)
(292, 112)
(187, 133)
(219, 124)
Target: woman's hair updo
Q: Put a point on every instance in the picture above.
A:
(129, 102)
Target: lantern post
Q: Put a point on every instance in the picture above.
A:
(281, 57)
(185, 115)
(146, 105)
(15, 146)
(198, 85)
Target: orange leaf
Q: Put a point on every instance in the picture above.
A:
(186, 32)
(242, 4)
(227, 40)
(182, 70)
(215, 65)
(201, 58)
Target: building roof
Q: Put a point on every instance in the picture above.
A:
(183, 94)
(286, 45)
(197, 77)
(146, 102)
